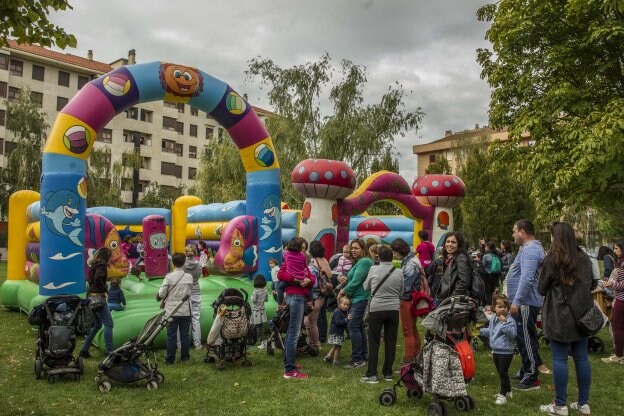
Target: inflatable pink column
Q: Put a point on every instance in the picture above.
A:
(156, 253)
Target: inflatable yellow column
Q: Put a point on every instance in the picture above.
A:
(178, 221)
(18, 202)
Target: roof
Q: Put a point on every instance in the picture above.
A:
(61, 57)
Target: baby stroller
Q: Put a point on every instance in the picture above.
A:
(279, 327)
(227, 340)
(56, 338)
(132, 362)
(446, 361)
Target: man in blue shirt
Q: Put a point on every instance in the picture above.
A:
(525, 301)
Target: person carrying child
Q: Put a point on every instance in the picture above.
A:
(116, 298)
(295, 265)
(336, 331)
(501, 332)
(258, 313)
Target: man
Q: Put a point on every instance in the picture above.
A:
(526, 302)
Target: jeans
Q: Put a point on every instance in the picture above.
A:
(295, 304)
(321, 323)
(527, 343)
(183, 324)
(101, 317)
(502, 363)
(355, 326)
(195, 309)
(389, 322)
(115, 306)
(411, 336)
(560, 352)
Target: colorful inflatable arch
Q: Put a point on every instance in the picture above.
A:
(63, 186)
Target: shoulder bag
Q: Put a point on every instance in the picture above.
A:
(590, 322)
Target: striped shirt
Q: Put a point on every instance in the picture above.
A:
(618, 285)
(523, 275)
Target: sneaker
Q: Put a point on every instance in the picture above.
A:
(369, 380)
(388, 377)
(295, 374)
(351, 366)
(527, 387)
(614, 359)
(262, 345)
(84, 354)
(553, 409)
(500, 399)
(584, 410)
(327, 360)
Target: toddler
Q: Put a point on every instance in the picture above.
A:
(336, 331)
(501, 332)
(295, 264)
(204, 258)
(258, 299)
(116, 298)
(273, 265)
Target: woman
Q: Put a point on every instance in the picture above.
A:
(98, 274)
(411, 270)
(565, 281)
(492, 274)
(457, 275)
(608, 258)
(506, 257)
(319, 267)
(616, 283)
(354, 289)
(387, 283)
(194, 268)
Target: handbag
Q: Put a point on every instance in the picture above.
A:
(590, 322)
(97, 302)
(325, 288)
(367, 310)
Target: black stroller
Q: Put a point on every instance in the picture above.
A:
(445, 363)
(56, 340)
(279, 326)
(126, 364)
(227, 340)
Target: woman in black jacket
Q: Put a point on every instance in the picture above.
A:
(98, 274)
(457, 275)
(565, 280)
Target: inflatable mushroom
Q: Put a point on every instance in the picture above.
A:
(445, 192)
(322, 182)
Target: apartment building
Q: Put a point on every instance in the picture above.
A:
(170, 136)
(450, 145)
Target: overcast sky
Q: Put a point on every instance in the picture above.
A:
(427, 46)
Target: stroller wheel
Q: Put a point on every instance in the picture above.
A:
(471, 402)
(152, 385)
(596, 345)
(38, 368)
(462, 403)
(415, 394)
(160, 378)
(436, 409)
(387, 397)
(246, 363)
(105, 386)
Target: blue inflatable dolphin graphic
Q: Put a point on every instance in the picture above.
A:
(59, 211)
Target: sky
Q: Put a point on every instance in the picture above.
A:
(429, 47)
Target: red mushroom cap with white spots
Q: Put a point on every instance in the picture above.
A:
(439, 190)
(322, 178)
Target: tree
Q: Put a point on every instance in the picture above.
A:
(355, 132)
(157, 196)
(104, 179)
(440, 165)
(495, 198)
(27, 22)
(555, 69)
(26, 123)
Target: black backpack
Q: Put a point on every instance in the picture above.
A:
(477, 285)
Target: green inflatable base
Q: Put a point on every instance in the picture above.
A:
(141, 304)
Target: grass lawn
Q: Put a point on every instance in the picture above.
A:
(194, 388)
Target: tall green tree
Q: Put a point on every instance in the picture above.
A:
(27, 127)
(157, 196)
(27, 21)
(555, 69)
(104, 179)
(356, 132)
(441, 165)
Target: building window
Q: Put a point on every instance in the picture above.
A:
(193, 152)
(209, 132)
(37, 98)
(38, 72)
(3, 89)
(193, 130)
(432, 158)
(168, 146)
(63, 79)
(82, 81)
(13, 94)
(180, 107)
(180, 127)
(170, 104)
(9, 147)
(147, 115)
(194, 111)
(192, 173)
(106, 136)
(61, 102)
(170, 169)
(1, 146)
(4, 61)
(169, 123)
(143, 138)
(2, 117)
(16, 67)
(132, 113)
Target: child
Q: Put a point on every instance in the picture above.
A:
(204, 258)
(126, 245)
(258, 299)
(373, 253)
(502, 334)
(295, 264)
(336, 331)
(116, 298)
(273, 264)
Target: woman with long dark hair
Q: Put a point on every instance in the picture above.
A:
(319, 267)
(457, 275)
(616, 283)
(565, 281)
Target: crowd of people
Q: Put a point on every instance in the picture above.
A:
(368, 294)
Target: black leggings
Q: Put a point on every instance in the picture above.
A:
(502, 363)
(389, 322)
(491, 282)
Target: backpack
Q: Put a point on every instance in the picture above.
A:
(477, 286)
(495, 264)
